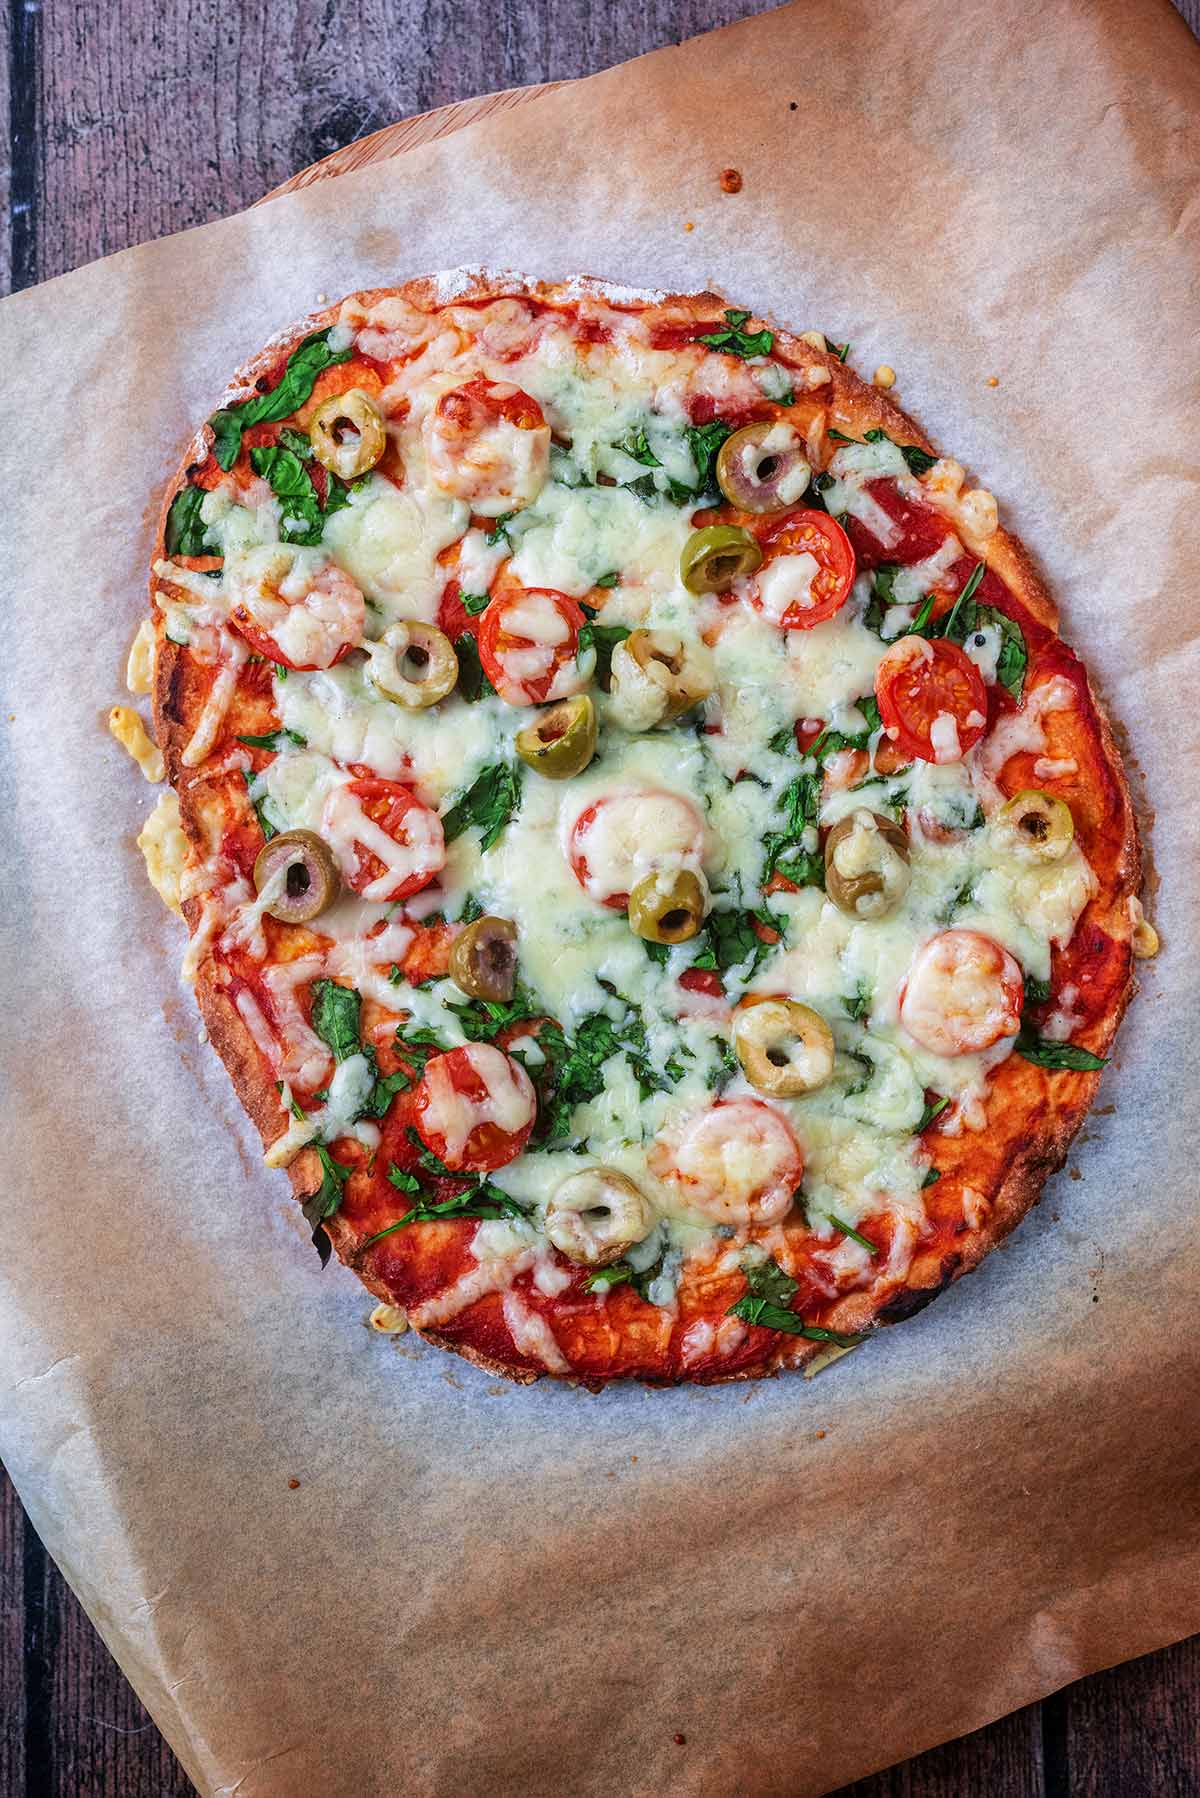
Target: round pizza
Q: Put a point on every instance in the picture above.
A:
(656, 876)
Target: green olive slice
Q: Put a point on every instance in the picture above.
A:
(716, 556)
(483, 959)
(867, 869)
(763, 467)
(1035, 826)
(414, 665)
(785, 1048)
(668, 907)
(596, 1215)
(347, 434)
(302, 872)
(657, 676)
(561, 741)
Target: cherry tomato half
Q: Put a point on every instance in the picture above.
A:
(784, 541)
(529, 646)
(470, 447)
(931, 698)
(388, 843)
(319, 627)
(475, 1108)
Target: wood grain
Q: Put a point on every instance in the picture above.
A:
(127, 121)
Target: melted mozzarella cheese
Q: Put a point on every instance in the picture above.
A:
(702, 792)
(509, 1100)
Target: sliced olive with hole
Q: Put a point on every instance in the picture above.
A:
(414, 665)
(657, 676)
(785, 1048)
(1035, 826)
(716, 556)
(347, 434)
(668, 907)
(763, 467)
(596, 1215)
(302, 872)
(867, 871)
(483, 960)
(561, 741)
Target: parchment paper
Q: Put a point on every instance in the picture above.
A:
(484, 1589)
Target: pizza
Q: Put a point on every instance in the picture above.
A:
(657, 878)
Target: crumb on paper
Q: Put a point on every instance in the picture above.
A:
(679, 1739)
(389, 1320)
(293, 1484)
(792, 105)
(885, 375)
(1144, 937)
(690, 225)
(826, 1359)
(820, 1435)
(164, 849)
(993, 380)
(130, 732)
(139, 669)
(731, 181)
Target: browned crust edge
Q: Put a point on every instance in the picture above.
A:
(858, 405)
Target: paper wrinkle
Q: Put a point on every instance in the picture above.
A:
(170, 1356)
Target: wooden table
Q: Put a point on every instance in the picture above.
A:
(129, 121)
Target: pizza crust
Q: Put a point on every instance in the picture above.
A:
(856, 407)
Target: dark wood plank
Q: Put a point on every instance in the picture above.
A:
(1134, 1731)
(140, 137)
(70, 1725)
(1003, 1761)
(13, 1526)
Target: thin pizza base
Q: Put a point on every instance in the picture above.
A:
(1032, 1115)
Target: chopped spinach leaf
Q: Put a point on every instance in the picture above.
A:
(298, 442)
(635, 445)
(932, 1176)
(325, 1201)
(930, 1112)
(275, 739)
(290, 482)
(919, 460)
(488, 804)
(473, 683)
(481, 1200)
(304, 364)
(774, 1317)
(859, 1003)
(394, 974)
(1036, 991)
(499, 531)
(727, 1067)
(704, 441)
(737, 342)
(1056, 1056)
(401, 1179)
(607, 580)
(864, 1242)
(767, 1280)
(474, 603)
(603, 638)
(471, 909)
(186, 532)
(482, 1020)
(335, 1017)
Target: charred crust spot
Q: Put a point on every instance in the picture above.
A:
(173, 698)
(907, 1304)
